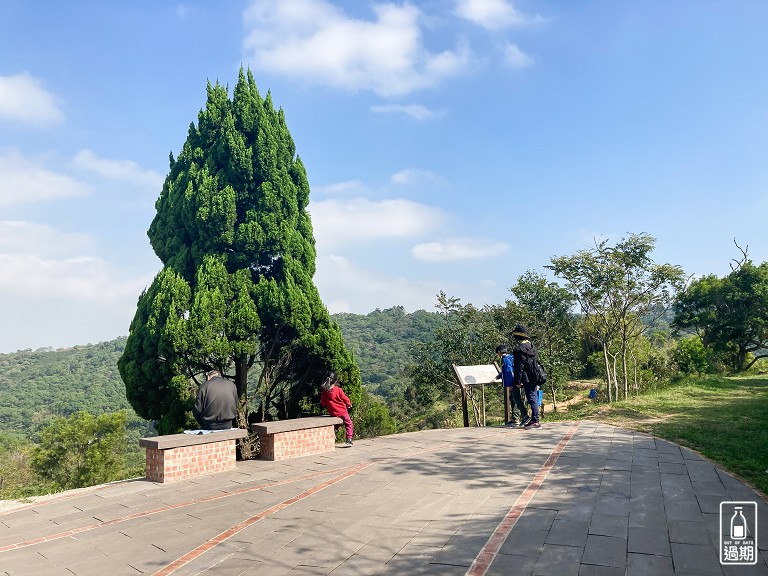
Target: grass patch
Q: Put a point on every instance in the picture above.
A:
(726, 419)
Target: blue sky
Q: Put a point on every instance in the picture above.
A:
(450, 144)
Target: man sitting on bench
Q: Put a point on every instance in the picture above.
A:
(216, 405)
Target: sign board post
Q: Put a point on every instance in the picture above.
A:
(477, 375)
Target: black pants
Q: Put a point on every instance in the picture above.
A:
(533, 399)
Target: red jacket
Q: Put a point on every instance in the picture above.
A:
(335, 401)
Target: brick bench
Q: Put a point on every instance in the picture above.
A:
(296, 437)
(178, 456)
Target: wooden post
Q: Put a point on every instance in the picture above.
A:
(464, 409)
(482, 389)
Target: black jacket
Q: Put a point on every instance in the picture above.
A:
(524, 354)
(216, 402)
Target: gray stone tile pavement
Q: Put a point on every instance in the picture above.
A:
(615, 502)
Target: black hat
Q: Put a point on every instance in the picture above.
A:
(519, 331)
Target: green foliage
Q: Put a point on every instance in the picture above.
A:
(236, 289)
(39, 388)
(691, 356)
(82, 450)
(40, 385)
(466, 336)
(649, 362)
(17, 479)
(618, 288)
(382, 343)
(371, 417)
(729, 314)
(545, 309)
(657, 357)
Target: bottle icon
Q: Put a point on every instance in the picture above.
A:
(738, 525)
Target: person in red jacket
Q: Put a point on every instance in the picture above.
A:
(337, 403)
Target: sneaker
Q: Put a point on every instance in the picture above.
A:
(532, 424)
(525, 421)
(512, 423)
(349, 442)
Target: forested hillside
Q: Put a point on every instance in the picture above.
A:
(38, 385)
(383, 341)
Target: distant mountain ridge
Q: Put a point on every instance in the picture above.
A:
(37, 385)
(41, 384)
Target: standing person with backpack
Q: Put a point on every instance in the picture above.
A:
(518, 413)
(528, 372)
(337, 403)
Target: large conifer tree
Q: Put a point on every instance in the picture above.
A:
(235, 291)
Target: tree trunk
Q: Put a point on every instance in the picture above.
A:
(607, 371)
(624, 370)
(742, 359)
(554, 397)
(634, 374)
(246, 447)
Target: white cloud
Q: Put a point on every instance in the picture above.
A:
(126, 170)
(20, 237)
(459, 249)
(312, 39)
(23, 99)
(344, 287)
(416, 111)
(83, 279)
(39, 261)
(492, 14)
(54, 293)
(414, 176)
(24, 181)
(63, 302)
(516, 58)
(347, 287)
(336, 223)
(186, 11)
(340, 188)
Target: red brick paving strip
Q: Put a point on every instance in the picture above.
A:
(216, 540)
(491, 549)
(96, 525)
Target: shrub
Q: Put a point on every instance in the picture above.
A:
(82, 450)
(691, 357)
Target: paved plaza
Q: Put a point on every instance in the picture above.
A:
(574, 498)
